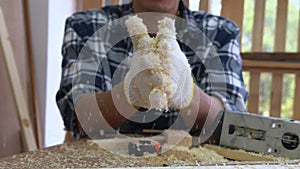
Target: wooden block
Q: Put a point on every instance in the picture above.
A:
(119, 144)
(178, 137)
(238, 155)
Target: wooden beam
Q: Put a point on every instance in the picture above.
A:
(258, 26)
(277, 56)
(271, 62)
(271, 65)
(14, 79)
(268, 70)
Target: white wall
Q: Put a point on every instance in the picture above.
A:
(47, 19)
(38, 12)
(59, 10)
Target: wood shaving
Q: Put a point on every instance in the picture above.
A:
(83, 154)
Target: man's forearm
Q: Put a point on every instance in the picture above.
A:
(109, 110)
(101, 111)
(202, 111)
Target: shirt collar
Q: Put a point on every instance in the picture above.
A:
(183, 10)
(187, 24)
(127, 9)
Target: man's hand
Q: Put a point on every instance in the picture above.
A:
(159, 75)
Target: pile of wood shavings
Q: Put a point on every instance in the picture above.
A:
(84, 155)
(199, 154)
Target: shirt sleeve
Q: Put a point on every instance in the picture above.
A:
(225, 80)
(77, 79)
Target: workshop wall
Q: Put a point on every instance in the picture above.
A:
(10, 141)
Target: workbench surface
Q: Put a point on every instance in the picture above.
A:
(83, 154)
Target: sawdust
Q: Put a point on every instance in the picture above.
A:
(196, 154)
(83, 154)
(86, 155)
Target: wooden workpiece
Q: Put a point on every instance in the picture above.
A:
(119, 143)
(240, 155)
(178, 137)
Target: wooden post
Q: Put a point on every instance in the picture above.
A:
(234, 10)
(36, 109)
(296, 115)
(204, 5)
(280, 37)
(257, 34)
(187, 3)
(299, 32)
(276, 95)
(115, 2)
(90, 4)
(22, 107)
(281, 21)
(253, 102)
(258, 26)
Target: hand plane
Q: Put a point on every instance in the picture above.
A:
(261, 134)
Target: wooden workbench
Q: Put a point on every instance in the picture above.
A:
(83, 154)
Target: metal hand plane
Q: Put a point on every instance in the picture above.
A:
(257, 133)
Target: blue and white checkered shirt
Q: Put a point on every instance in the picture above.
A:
(218, 74)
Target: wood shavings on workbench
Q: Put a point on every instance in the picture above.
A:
(82, 154)
(173, 156)
(197, 154)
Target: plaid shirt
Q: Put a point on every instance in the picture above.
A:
(82, 75)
